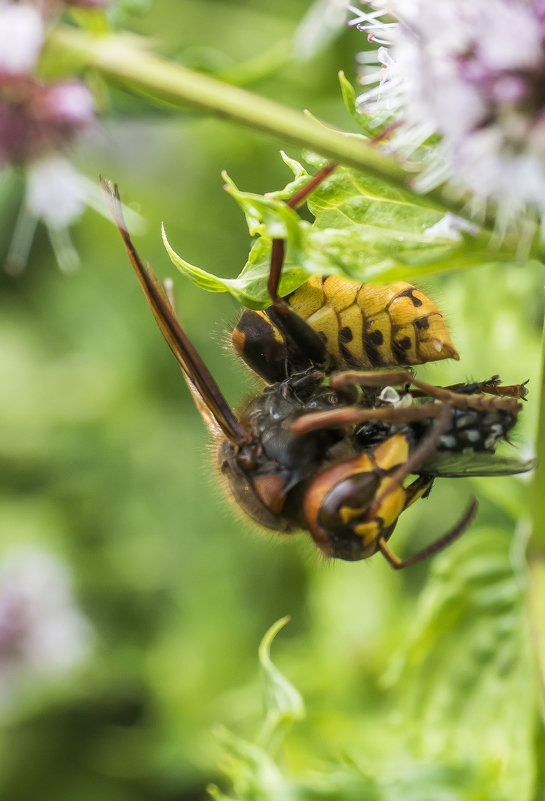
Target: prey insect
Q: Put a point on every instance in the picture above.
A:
(328, 451)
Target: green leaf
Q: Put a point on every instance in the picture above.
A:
(363, 228)
(364, 121)
(300, 176)
(255, 776)
(93, 20)
(250, 288)
(282, 701)
(252, 771)
(250, 767)
(214, 791)
(464, 720)
(267, 215)
(466, 678)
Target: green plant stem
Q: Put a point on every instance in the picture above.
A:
(536, 571)
(537, 541)
(125, 59)
(536, 547)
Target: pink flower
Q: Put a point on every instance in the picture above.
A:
(88, 3)
(36, 119)
(42, 631)
(472, 73)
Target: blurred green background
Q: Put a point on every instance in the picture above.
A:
(105, 462)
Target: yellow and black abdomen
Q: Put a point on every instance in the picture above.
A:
(367, 325)
(362, 326)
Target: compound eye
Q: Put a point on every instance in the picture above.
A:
(348, 500)
(336, 506)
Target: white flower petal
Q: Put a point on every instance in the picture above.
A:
(41, 629)
(55, 192)
(21, 37)
(471, 72)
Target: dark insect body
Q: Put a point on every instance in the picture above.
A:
(352, 506)
(471, 430)
(326, 451)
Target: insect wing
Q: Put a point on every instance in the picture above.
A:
(460, 465)
(207, 395)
